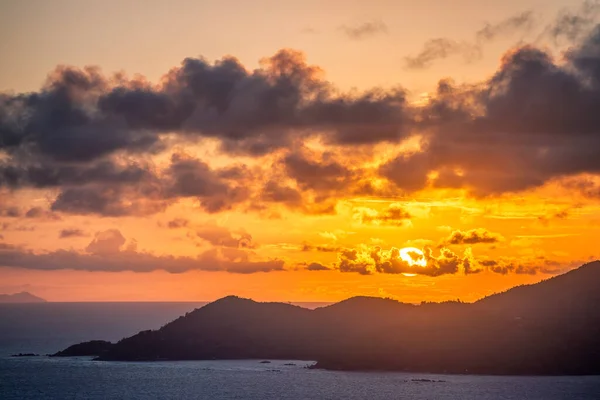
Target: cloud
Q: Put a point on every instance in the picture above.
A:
(80, 115)
(40, 213)
(442, 48)
(108, 253)
(69, 233)
(375, 260)
(178, 223)
(316, 174)
(533, 266)
(530, 123)
(574, 24)
(365, 29)
(323, 248)
(221, 236)
(317, 267)
(10, 212)
(473, 236)
(394, 215)
(516, 23)
(106, 242)
(369, 261)
(587, 186)
(191, 177)
(87, 140)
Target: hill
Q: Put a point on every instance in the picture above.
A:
(550, 328)
(22, 297)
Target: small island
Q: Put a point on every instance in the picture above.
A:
(549, 328)
(22, 297)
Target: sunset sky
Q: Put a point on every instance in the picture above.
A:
(289, 150)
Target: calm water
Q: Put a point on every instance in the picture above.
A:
(81, 378)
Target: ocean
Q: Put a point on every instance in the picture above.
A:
(47, 328)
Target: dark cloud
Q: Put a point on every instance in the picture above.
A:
(371, 117)
(473, 236)
(540, 265)
(178, 223)
(51, 174)
(274, 192)
(107, 252)
(190, 177)
(69, 233)
(40, 213)
(10, 212)
(394, 214)
(59, 121)
(111, 201)
(323, 248)
(365, 29)
(317, 267)
(316, 174)
(81, 115)
(442, 48)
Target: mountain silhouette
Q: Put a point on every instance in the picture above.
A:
(549, 328)
(22, 297)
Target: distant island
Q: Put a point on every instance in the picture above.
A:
(550, 328)
(22, 297)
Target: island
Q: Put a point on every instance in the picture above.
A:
(22, 297)
(549, 328)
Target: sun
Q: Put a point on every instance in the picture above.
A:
(413, 256)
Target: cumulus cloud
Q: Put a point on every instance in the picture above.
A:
(87, 138)
(473, 236)
(108, 252)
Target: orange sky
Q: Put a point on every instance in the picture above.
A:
(321, 141)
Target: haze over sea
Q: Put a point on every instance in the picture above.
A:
(47, 328)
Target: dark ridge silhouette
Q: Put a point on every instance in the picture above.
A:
(22, 297)
(92, 348)
(550, 328)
